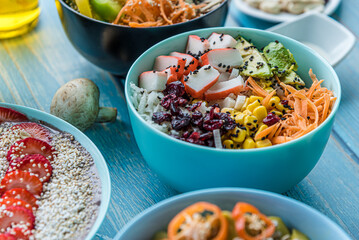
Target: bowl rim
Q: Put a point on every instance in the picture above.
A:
(225, 2)
(214, 29)
(105, 181)
(230, 190)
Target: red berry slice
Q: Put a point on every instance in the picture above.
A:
(8, 202)
(20, 179)
(20, 233)
(16, 215)
(34, 130)
(9, 115)
(30, 146)
(7, 236)
(22, 194)
(35, 163)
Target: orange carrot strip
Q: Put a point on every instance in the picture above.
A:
(256, 88)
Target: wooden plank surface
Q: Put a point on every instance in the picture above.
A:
(32, 67)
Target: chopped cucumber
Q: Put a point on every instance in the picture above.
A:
(296, 235)
(106, 9)
(280, 228)
(162, 235)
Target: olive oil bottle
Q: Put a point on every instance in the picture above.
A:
(18, 17)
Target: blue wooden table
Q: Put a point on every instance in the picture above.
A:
(34, 66)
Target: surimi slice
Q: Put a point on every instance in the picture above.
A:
(164, 62)
(222, 89)
(153, 81)
(217, 40)
(223, 59)
(191, 62)
(198, 82)
(171, 74)
(197, 46)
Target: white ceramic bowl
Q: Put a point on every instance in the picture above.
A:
(100, 162)
(295, 214)
(328, 37)
(242, 6)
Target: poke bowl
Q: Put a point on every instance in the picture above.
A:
(253, 160)
(115, 47)
(307, 222)
(55, 183)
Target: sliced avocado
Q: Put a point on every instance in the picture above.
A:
(296, 235)
(106, 9)
(280, 228)
(280, 59)
(231, 228)
(254, 63)
(293, 79)
(162, 235)
(244, 47)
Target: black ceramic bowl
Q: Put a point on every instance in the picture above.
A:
(113, 47)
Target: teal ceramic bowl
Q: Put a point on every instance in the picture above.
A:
(294, 214)
(189, 167)
(100, 162)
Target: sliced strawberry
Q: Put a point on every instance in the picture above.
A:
(8, 202)
(20, 233)
(22, 194)
(9, 115)
(16, 215)
(30, 146)
(34, 163)
(35, 130)
(7, 236)
(20, 179)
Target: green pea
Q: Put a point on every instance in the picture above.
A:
(162, 235)
(280, 228)
(296, 235)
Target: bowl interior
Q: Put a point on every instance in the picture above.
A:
(100, 162)
(306, 58)
(294, 214)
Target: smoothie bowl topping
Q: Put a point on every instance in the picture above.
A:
(49, 187)
(203, 221)
(224, 92)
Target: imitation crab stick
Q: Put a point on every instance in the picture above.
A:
(164, 62)
(198, 82)
(222, 89)
(191, 62)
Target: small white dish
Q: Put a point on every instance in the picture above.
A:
(323, 34)
(242, 6)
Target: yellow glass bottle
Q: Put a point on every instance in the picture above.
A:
(18, 17)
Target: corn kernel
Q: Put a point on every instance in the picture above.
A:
(278, 113)
(263, 143)
(255, 98)
(279, 106)
(274, 101)
(260, 112)
(239, 118)
(245, 105)
(248, 143)
(261, 128)
(253, 105)
(229, 144)
(247, 112)
(268, 89)
(227, 110)
(238, 135)
(251, 122)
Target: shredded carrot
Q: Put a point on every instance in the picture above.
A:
(308, 108)
(256, 88)
(146, 13)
